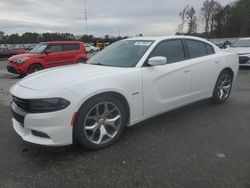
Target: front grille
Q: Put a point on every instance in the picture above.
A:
(243, 59)
(18, 117)
(22, 104)
(11, 69)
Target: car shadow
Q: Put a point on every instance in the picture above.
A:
(244, 68)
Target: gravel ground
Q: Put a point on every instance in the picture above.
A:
(201, 145)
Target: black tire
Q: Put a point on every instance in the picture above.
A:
(79, 129)
(92, 51)
(34, 68)
(220, 95)
(81, 61)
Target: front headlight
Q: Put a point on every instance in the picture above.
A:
(47, 105)
(22, 60)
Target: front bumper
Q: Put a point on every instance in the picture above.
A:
(51, 129)
(27, 135)
(12, 69)
(16, 69)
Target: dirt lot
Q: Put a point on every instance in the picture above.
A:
(202, 145)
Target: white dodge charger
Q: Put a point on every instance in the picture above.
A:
(128, 82)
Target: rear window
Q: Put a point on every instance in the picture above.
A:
(70, 47)
(196, 48)
(210, 49)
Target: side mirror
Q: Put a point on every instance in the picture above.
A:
(158, 60)
(47, 52)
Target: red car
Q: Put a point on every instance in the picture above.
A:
(5, 52)
(47, 55)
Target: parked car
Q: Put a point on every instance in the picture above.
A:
(101, 45)
(46, 55)
(126, 83)
(242, 47)
(6, 52)
(91, 49)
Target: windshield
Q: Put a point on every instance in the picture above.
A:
(241, 43)
(125, 53)
(39, 48)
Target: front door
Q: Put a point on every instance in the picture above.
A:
(166, 86)
(53, 55)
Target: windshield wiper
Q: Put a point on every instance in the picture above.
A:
(98, 64)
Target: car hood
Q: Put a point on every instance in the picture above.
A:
(63, 77)
(239, 50)
(16, 57)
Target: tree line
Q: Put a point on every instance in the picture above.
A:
(29, 37)
(216, 21)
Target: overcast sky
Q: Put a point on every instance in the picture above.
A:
(149, 17)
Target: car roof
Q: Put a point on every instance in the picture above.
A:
(62, 42)
(247, 38)
(160, 38)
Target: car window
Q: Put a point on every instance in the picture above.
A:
(125, 53)
(172, 50)
(69, 47)
(210, 49)
(196, 48)
(54, 48)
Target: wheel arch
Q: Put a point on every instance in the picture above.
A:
(34, 63)
(228, 69)
(38, 63)
(116, 95)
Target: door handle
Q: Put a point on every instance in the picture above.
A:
(187, 71)
(216, 62)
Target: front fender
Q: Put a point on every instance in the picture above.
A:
(130, 88)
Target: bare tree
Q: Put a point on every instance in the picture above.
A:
(192, 20)
(183, 15)
(208, 12)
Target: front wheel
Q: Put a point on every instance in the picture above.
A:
(222, 87)
(81, 61)
(100, 122)
(34, 68)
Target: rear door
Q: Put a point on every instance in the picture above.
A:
(70, 52)
(204, 68)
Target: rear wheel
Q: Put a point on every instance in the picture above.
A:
(34, 68)
(100, 122)
(223, 87)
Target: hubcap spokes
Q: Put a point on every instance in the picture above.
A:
(102, 123)
(224, 87)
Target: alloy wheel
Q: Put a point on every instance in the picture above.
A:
(224, 86)
(102, 123)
